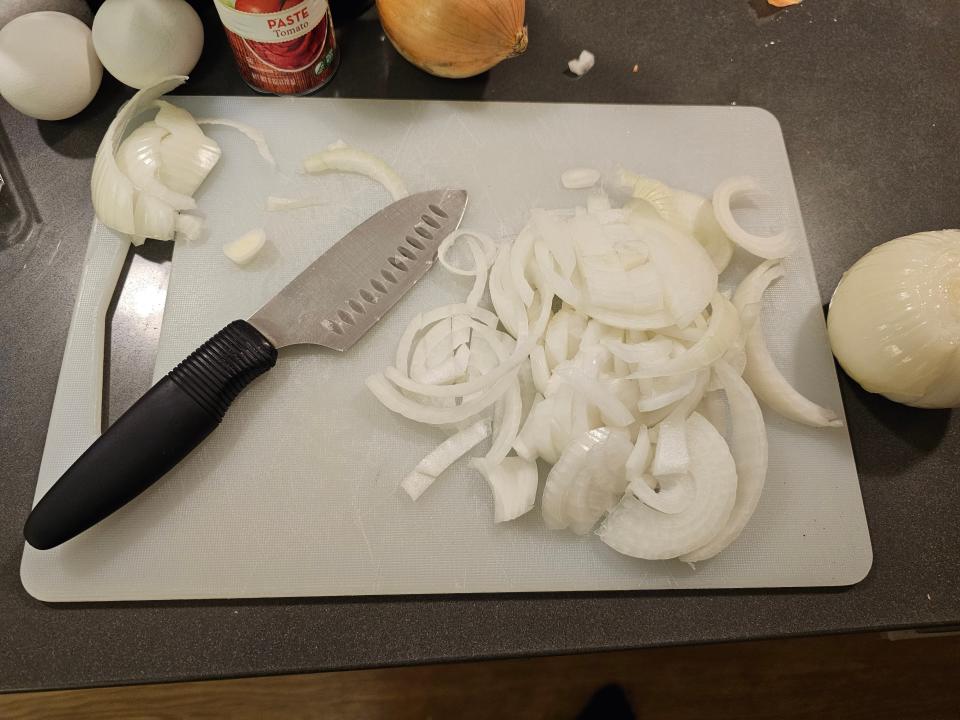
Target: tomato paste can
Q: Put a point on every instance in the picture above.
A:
(284, 47)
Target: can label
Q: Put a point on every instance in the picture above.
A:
(281, 46)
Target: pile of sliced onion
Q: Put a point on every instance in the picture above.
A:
(144, 180)
(610, 354)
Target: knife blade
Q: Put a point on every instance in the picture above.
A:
(332, 303)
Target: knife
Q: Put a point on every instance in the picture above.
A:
(332, 303)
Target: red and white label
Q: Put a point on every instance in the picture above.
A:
(287, 23)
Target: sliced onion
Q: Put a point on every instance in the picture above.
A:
(748, 445)
(504, 297)
(188, 227)
(665, 391)
(540, 368)
(508, 367)
(508, 426)
(481, 248)
(187, 155)
(353, 160)
(556, 235)
(579, 178)
(244, 248)
(514, 483)
(695, 215)
(139, 158)
(586, 481)
(776, 246)
(633, 528)
(721, 332)
(114, 195)
(761, 373)
(275, 203)
(251, 132)
(672, 456)
(687, 274)
(613, 412)
(443, 456)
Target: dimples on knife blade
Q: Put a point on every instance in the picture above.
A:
(352, 285)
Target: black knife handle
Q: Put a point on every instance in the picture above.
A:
(156, 433)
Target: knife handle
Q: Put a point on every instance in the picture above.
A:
(150, 438)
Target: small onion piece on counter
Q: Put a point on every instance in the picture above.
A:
(894, 320)
(245, 248)
(607, 355)
(340, 157)
(582, 64)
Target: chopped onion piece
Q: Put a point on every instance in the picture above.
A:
(671, 457)
(353, 160)
(443, 456)
(776, 246)
(579, 178)
(586, 481)
(614, 412)
(188, 227)
(722, 330)
(582, 64)
(633, 528)
(514, 483)
(245, 248)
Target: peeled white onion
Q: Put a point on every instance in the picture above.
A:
(48, 67)
(142, 41)
(894, 320)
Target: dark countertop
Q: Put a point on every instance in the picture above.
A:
(867, 96)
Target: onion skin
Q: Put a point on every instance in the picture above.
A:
(455, 38)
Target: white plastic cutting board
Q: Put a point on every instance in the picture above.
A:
(296, 493)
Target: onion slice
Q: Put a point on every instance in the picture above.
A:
(353, 160)
(748, 446)
(635, 529)
(514, 483)
(443, 456)
(776, 246)
(257, 137)
(761, 373)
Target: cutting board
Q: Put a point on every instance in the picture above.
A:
(297, 492)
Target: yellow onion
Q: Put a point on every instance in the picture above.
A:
(455, 38)
(894, 320)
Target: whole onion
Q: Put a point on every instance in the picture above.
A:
(455, 38)
(894, 320)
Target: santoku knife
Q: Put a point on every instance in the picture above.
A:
(332, 303)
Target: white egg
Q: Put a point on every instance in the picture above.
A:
(48, 67)
(142, 41)
(10, 9)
